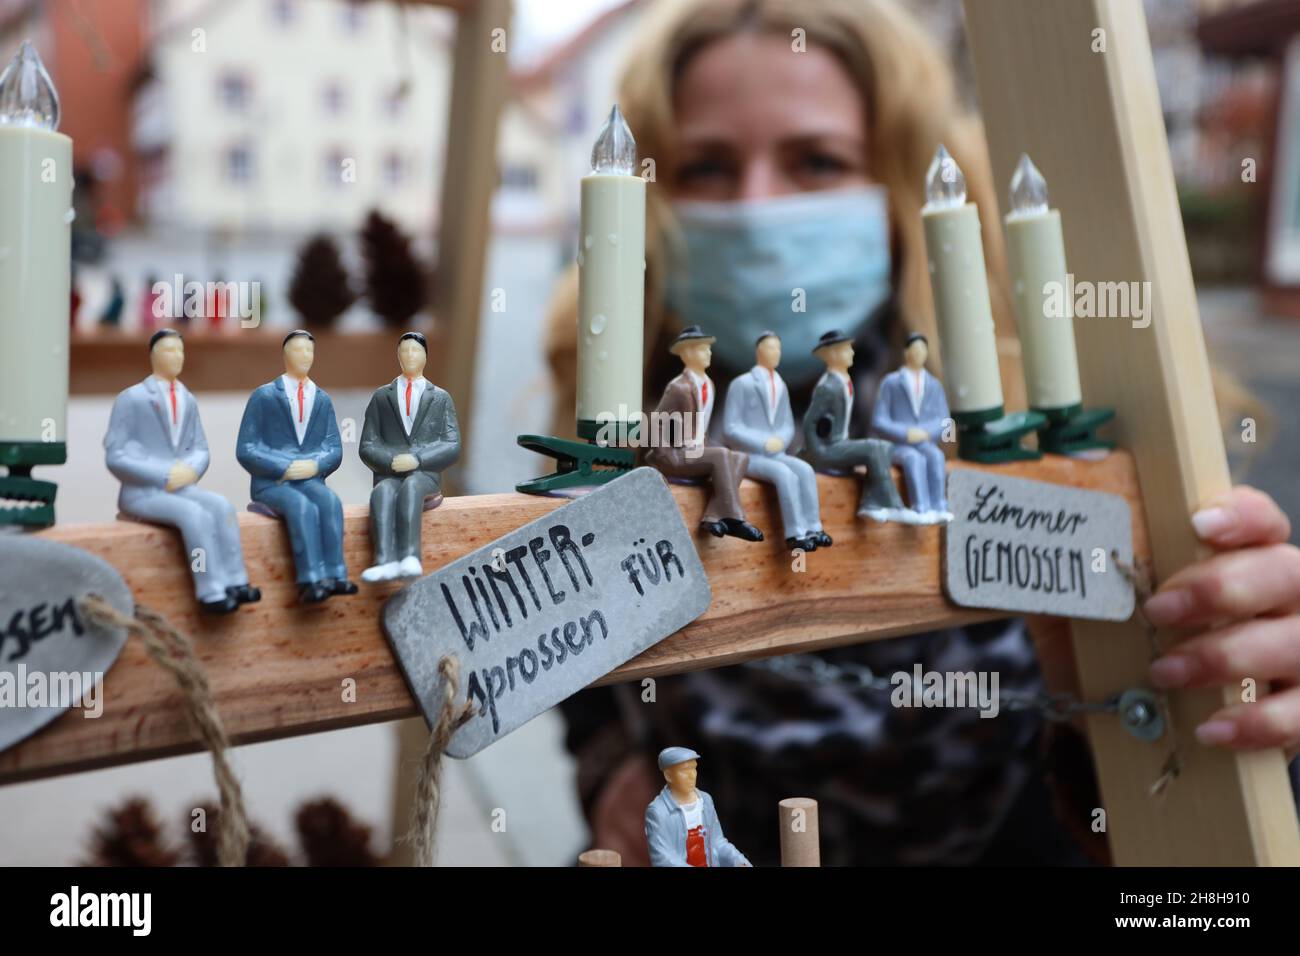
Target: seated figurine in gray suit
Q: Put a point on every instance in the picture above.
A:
(826, 435)
(289, 442)
(156, 447)
(681, 825)
(410, 436)
(756, 418)
(912, 411)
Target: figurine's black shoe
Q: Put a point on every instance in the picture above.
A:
(244, 593)
(715, 528)
(822, 538)
(342, 586)
(223, 606)
(806, 543)
(313, 592)
(741, 529)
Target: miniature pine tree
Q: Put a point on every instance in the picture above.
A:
(330, 837)
(131, 836)
(396, 283)
(320, 290)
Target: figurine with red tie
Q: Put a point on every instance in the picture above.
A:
(410, 435)
(289, 443)
(682, 452)
(156, 448)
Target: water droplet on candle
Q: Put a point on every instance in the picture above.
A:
(581, 259)
(613, 238)
(643, 265)
(947, 247)
(603, 355)
(69, 216)
(587, 242)
(598, 322)
(962, 391)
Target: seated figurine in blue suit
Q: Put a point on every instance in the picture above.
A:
(289, 442)
(912, 411)
(681, 825)
(757, 419)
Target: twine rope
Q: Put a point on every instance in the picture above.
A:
(174, 652)
(428, 785)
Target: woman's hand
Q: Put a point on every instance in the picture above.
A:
(1248, 595)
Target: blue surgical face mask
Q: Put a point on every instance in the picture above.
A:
(798, 265)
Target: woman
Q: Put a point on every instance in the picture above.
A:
(790, 142)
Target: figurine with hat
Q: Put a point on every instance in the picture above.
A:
(289, 443)
(757, 419)
(827, 445)
(681, 824)
(680, 450)
(912, 411)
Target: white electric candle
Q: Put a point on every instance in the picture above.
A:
(35, 254)
(611, 282)
(959, 281)
(1036, 254)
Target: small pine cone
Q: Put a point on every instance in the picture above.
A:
(131, 836)
(330, 837)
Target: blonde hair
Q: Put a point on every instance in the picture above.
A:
(911, 107)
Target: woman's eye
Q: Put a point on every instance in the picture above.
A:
(822, 164)
(701, 170)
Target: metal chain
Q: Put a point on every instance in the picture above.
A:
(808, 669)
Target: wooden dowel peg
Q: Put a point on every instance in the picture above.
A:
(600, 858)
(800, 836)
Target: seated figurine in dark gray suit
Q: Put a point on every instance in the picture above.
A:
(826, 436)
(156, 447)
(912, 411)
(410, 436)
(289, 442)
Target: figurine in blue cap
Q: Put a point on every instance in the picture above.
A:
(827, 445)
(681, 826)
(289, 442)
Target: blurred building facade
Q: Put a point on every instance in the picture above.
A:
(287, 116)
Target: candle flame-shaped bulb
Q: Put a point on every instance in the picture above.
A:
(1028, 189)
(945, 183)
(615, 150)
(27, 95)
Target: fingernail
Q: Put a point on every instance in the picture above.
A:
(1212, 522)
(1173, 671)
(1214, 733)
(1168, 607)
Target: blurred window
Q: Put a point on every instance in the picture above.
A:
(239, 164)
(283, 12)
(394, 169)
(334, 97)
(334, 167)
(234, 91)
(515, 176)
(354, 18)
(395, 101)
